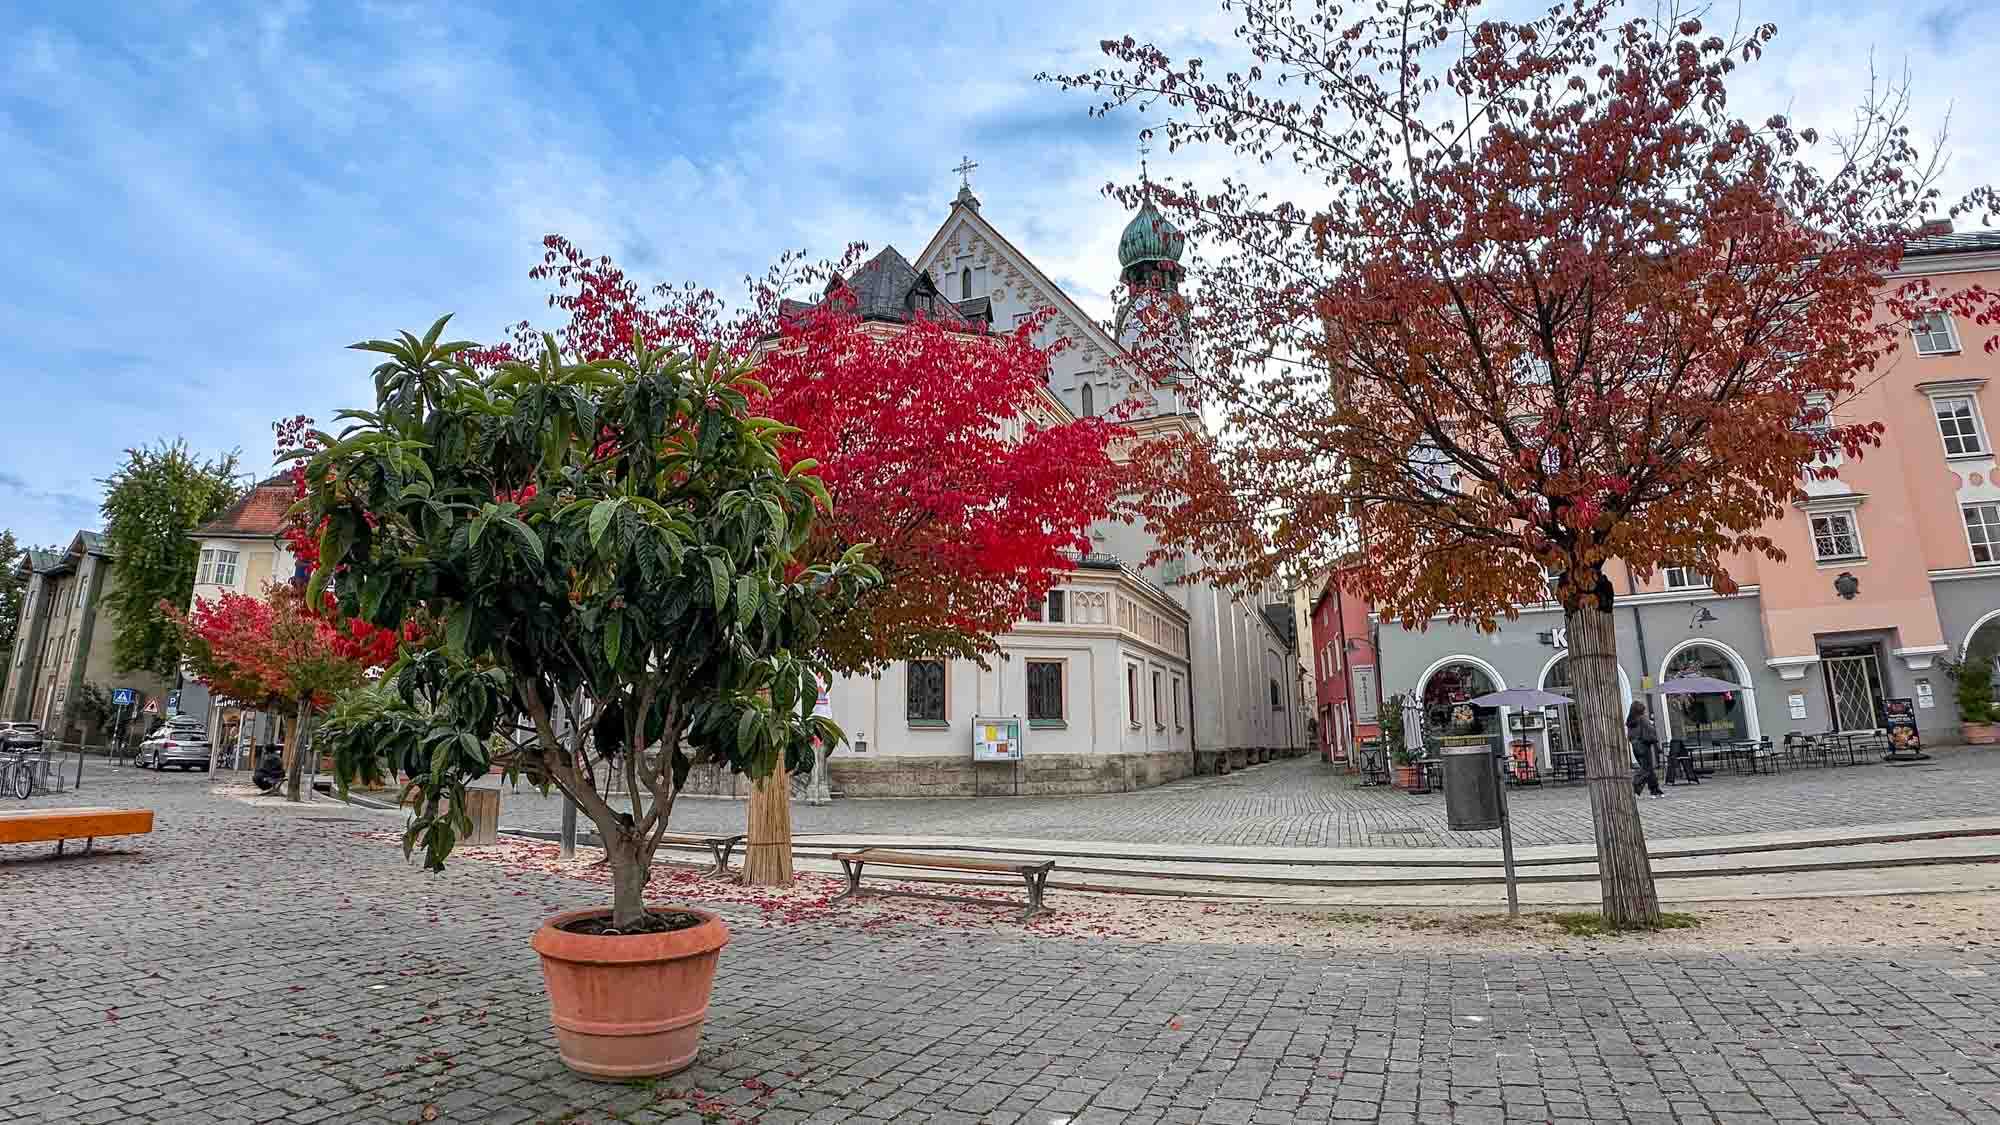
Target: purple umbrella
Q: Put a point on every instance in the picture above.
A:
(1521, 697)
(1697, 685)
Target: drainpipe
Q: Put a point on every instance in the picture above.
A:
(1639, 628)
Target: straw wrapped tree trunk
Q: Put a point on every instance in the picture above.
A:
(767, 860)
(1625, 873)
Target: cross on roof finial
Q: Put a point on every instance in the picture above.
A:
(964, 170)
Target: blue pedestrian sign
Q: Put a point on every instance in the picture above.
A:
(123, 697)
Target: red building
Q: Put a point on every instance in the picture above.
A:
(1347, 695)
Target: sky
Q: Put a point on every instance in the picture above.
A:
(207, 202)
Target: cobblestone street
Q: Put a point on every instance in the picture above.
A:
(1302, 802)
(249, 963)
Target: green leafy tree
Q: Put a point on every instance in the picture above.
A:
(90, 708)
(611, 548)
(12, 589)
(151, 503)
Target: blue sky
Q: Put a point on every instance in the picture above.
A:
(205, 202)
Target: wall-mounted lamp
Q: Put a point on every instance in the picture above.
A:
(1701, 617)
(1847, 585)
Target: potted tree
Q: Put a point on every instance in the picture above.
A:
(1972, 682)
(608, 549)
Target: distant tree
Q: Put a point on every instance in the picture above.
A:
(12, 589)
(151, 504)
(91, 708)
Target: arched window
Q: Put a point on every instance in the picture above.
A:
(1089, 401)
(1448, 711)
(1711, 717)
(965, 285)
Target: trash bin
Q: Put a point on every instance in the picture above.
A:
(1471, 789)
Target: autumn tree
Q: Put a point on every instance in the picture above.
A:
(1538, 300)
(972, 496)
(278, 653)
(151, 503)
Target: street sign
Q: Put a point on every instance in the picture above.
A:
(123, 697)
(174, 700)
(152, 707)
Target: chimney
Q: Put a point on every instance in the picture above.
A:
(1934, 227)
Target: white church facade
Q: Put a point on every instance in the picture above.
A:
(1127, 678)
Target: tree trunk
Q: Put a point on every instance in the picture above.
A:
(1625, 873)
(767, 857)
(630, 872)
(294, 759)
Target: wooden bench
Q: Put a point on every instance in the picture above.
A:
(29, 826)
(719, 847)
(1035, 873)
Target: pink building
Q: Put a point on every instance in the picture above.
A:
(1347, 696)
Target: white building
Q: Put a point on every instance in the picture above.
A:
(1130, 678)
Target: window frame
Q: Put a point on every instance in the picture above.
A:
(910, 701)
(1159, 710)
(1918, 335)
(1978, 435)
(1992, 529)
(1056, 607)
(1132, 694)
(1853, 534)
(1061, 718)
(1087, 400)
(1690, 579)
(209, 571)
(1177, 703)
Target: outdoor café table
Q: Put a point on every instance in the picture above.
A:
(1837, 742)
(1744, 750)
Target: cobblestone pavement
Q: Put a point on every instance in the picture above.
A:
(251, 964)
(1303, 802)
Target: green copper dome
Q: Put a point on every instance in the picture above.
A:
(1149, 237)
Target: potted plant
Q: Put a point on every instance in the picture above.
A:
(1972, 682)
(609, 550)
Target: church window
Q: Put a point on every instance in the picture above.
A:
(925, 692)
(1045, 691)
(1132, 694)
(1159, 714)
(1089, 401)
(1277, 701)
(1057, 607)
(965, 284)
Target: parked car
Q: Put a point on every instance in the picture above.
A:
(183, 747)
(20, 736)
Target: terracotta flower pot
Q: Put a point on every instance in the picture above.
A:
(1981, 734)
(1408, 777)
(629, 1005)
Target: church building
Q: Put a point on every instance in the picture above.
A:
(1125, 677)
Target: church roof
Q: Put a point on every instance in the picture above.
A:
(887, 287)
(1149, 237)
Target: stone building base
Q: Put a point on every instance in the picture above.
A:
(1038, 775)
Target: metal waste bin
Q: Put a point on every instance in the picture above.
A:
(1471, 788)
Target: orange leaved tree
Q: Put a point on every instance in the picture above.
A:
(1543, 302)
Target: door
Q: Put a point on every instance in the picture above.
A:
(1854, 684)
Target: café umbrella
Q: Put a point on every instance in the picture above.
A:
(1526, 698)
(1697, 685)
(1413, 725)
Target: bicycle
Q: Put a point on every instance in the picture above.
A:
(17, 776)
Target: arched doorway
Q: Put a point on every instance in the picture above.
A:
(1566, 732)
(1709, 716)
(1447, 691)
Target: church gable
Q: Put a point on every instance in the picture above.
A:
(968, 247)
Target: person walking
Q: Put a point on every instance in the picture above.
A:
(1645, 740)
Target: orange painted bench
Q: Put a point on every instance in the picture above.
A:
(28, 826)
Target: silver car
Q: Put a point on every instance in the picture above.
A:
(183, 747)
(20, 736)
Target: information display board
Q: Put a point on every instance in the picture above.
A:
(997, 739)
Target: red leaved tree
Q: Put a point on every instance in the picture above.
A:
(1542, 302)
(934, 441)
(276, 653)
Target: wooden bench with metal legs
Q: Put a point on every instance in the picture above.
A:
(720, 848)
(1034, 873)
(29, 826)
